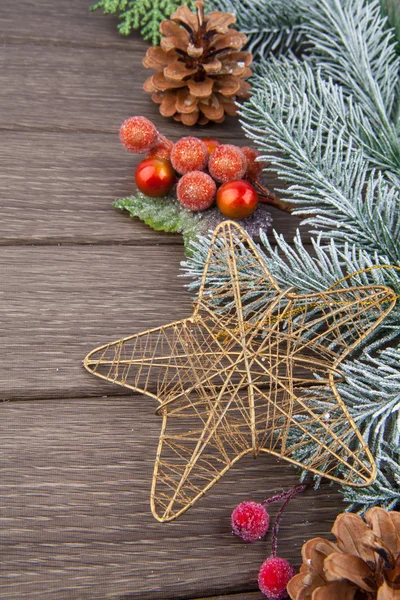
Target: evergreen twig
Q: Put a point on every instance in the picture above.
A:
(329, 124)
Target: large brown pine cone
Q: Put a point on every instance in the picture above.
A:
(363, 564)
(200, 66)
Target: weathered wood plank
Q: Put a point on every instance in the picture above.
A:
(57, 303)
(75, 519)
(58, 188)
(82, 89)
(245, 596)
(72, 88)
(59, 22)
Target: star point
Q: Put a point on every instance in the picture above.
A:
(253, 370)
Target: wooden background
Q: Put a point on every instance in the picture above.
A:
(77, 454)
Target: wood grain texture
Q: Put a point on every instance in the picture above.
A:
(74, 509)
(245, 596)
(60, 188)
(60, 23)
(76, 455)
(84, 89)
(60, 302)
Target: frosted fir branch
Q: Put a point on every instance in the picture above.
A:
(328, 264)
(270, 26)
(295, 266)
(391, 10)
(371, 392)
(384, 492)
(324, 170)
(353, 45)
(329, 125)
(330, 109)
(371, 389)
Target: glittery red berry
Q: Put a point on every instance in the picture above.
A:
(196, 190)
(155, 177)
(189, 154)
(237, 199)
(250, 521)
(161, 148)
(227, 162)
(273, 577)
(137, 134)
(211, 144)
(254, 168)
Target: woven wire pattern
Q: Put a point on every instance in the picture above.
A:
(237, 378)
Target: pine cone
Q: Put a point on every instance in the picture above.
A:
(364, 564)
(200, 66)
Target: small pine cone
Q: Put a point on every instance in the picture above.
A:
(363, 564)
(201, 69)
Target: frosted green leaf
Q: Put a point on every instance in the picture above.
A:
(165, 214)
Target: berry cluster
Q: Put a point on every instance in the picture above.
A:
(206, 171)
(250, 521)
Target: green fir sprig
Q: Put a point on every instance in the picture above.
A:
(144, 15)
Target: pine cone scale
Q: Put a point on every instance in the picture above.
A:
(349, 530)
(233, 39)
(201, 89)
(386, 526)
(220, 22)
(213, 110)
(171, 29)
(172, 43)
(363, 565)
(167, 107)
(161, 84)
(350, 567)
(184, 102)
(190, 119)
(201, 61)
(185, 16)
(157, 58)
(227, 85)
(213, 68)
(178, 71)
(335, 590)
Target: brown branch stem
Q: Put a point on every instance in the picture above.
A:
(267, 197)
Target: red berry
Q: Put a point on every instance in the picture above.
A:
(273, 577)
(250, 521)
(211, 144)
(161, 148)
(154, 177)
(237, 199)
(196, 190)
(189, 154)
(137, 134)
(226, 163)
(254, 168)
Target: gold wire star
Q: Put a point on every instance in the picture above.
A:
(254, 369)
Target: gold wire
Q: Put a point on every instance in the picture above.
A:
(233, 383)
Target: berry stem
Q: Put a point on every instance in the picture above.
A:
(267, 197)
(283, 495)
(287, 496)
